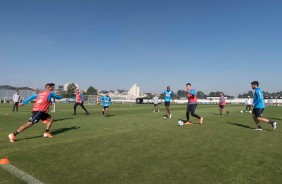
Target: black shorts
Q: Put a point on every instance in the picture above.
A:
(167, 104)
(38, 115)
(106, 107)
(221, 106)
(258, 112)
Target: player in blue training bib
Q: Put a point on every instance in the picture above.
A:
(258, 104)
(106, 101)
(168, 94)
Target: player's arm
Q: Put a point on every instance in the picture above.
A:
(28, 99)
(110, 100)
(192, 92)
(53, 95)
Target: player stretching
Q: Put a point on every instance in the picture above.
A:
(168, 94)
(222, 104)
(39, 111)
(106, 101)
(258, 104)
(192, 104)
(79, 101)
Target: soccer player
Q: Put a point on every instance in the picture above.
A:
(168, 95)
(16, 100)
(248, 104)
(106, 101)
(222, 104)
(79, 101)
(39, 111)
(192, 104)
(156, 103)
(258, 104)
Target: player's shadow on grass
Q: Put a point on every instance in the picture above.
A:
(61, 130)
(240, 125)
(55, 132)
(62, 119)
(244, 126)
(217, 114)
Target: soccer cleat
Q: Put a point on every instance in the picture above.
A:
(12, 137)
(201, 120)
(188, 123)
(47, 135)
(170, 115)
(259, 129)
(274, 125)
(228, 113)
(74, 114)
(87, 113)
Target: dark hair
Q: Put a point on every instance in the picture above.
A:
(255, 83)
(222, 93)
(188, 84)
(51, 84)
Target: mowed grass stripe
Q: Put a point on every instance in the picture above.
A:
(140, 147)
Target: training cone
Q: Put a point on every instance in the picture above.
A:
(4, 161)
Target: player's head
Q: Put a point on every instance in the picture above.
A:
(221, 94)
(168, 88)
(77, 90)
(17, 91)
(107, 93)
(249, 97)
(47, 86)
(52, 86)
(189, 86)
(255, 84)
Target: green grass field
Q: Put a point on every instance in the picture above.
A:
(135, 145)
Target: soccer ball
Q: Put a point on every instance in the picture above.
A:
(241, 111)
(180, 123)
(164, 117)
(250, 111)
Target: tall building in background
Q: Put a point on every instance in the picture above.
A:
(134, 92)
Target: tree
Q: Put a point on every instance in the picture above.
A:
(91, 91)
(62, 92)
(181, 93)
(71, 90)
(214, 94)
(245, 95)
(201, 95)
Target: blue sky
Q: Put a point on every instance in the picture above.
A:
(111, 44)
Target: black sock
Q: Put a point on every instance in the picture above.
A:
(103, 112)
(47, 130)
(16, 133)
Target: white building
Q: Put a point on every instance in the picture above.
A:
(133, 92)
(66, 86)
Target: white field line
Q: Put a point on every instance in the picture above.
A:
(21, 174)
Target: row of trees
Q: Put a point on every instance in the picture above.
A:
(265, 93)
(69, 93)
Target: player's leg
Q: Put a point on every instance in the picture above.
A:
(166, 109)
(220, 109)
(107, 111)
(50, 120)
(188, 110)
(36, 116)
(256, 113)
(17, 106)
(260, 118)
(103, 111)
(193, 109)
(74, 108)
(82, 106)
